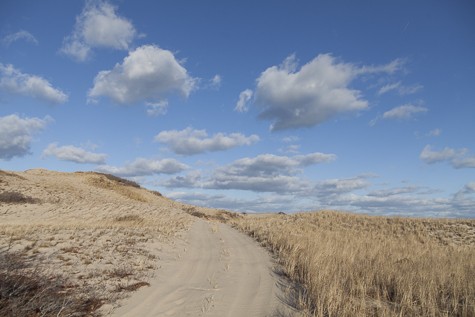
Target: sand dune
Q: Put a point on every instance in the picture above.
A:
(110, 239)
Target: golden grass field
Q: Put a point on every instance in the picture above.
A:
(74, 244)
(355, 265)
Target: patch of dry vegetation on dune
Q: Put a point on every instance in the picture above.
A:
(86, 239)
(355, 265)
(128, 189)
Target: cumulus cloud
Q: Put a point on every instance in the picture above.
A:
(262, 203)
(270, 164)
(20, 35)
(328, 189)
(244, 98)
(74, 154)
(14, 81)
(394, 191)
(268, 183)
(293, 98)
(458, 158)
(464, 199)
(190, 141)
(148, 73)
(16, 135)
(351, 194)
(267, 173)
(98, 26)
(404, 112)
(145, 167)
(190, 180)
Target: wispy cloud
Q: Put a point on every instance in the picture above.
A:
(404, 112)
(216, 81)
(157, 108)
(435, 132)
(244, 98)
(21, 35)
(400, 89)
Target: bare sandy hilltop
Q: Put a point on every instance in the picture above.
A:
(80, 244)
(91, 244)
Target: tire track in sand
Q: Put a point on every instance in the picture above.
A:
(220, 272)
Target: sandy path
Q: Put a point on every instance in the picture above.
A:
(217, 272)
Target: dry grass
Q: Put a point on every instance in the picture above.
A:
(219, 215)
(354, 265)
(119, 185)
(28, 290)
(99, 234)
(11, 197)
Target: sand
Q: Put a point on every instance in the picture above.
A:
(106, 238)
(220, 272)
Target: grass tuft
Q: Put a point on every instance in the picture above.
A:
(119, 185)
(11, 197)
(27, 290)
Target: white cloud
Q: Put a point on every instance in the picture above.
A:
(148, 73)
(389, 87)
(292, 148)
(190, 141)
(16, 135)
(456, 157)
(244, 98)
(20, 35)
(15, 82)
(404, 112)
(215, 82)
(390, 68)
(98, 26)
(435, 132)
(290, 139)
(464, 162)
(429, 156)
(327, 189)
(267, 183)
(394, 191)
(400, 89)
(74, 154)
(191, 180)
(145, 167)
(267, 173)
(261, 203)
(270, 164)
(157, 108)
(319, 90)
(464, 199)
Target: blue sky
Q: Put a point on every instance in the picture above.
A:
(364, 106)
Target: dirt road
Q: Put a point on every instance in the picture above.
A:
(217, 272)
